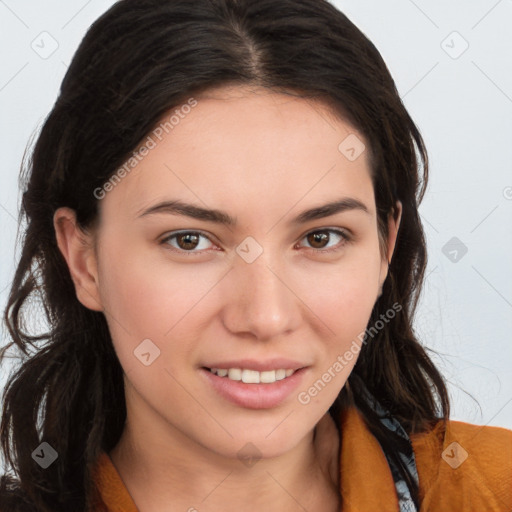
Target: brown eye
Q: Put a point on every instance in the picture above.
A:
(187, 241)
(318, 239)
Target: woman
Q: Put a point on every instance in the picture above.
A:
(223, 223)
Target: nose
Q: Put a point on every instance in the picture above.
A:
(262, 301)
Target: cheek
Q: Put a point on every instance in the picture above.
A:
(145, 291)
(343, 294)
(343, 299)
(153, 301)
(147, 298)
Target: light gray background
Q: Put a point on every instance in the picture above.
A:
(461, 100)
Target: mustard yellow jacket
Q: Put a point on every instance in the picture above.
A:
(468, 468)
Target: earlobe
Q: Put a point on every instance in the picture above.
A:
(78, 250)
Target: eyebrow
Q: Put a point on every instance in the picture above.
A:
(177, 207)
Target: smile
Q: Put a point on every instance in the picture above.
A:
(253, 376)
(253, 389)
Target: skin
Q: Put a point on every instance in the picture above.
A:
(263, 158)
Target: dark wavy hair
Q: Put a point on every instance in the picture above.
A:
(138, 61)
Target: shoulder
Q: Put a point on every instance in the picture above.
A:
(462, 466)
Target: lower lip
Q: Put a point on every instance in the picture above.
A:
(255, 396)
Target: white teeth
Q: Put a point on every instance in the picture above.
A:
(235, 374)
(280, 374)
(268, 376)
(250, 377)
(253, 376)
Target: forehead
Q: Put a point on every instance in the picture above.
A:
(247, 148)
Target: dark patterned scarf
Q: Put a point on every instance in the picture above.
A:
(405, 500)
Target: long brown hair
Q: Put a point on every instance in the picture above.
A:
(138, 61)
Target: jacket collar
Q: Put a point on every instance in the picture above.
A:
(366, 481)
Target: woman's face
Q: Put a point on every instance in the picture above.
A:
(275, 289)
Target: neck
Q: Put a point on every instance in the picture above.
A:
(178, 474)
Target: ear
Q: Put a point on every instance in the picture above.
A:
(394, 219)
(77, 248)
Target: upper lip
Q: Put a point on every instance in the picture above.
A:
(260, 366)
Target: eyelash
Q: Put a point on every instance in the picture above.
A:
(342, 233)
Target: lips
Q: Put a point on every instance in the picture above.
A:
(251, 392)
